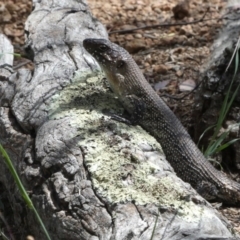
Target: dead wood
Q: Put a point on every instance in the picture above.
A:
(89, 176)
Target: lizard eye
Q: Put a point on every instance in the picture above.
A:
(120, 63)
(103, 47)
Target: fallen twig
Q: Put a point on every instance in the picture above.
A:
(165, 25)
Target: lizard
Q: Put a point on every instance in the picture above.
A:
(151, 112)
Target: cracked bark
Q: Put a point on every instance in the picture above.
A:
(88, 176)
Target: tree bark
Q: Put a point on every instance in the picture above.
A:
(89, 176)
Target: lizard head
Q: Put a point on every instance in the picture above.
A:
(114, 60)
(106, 53)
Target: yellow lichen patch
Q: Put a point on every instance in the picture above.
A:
(119, 168)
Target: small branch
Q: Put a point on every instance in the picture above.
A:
(166, 24)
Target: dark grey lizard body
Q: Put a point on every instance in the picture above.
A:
(141, 101)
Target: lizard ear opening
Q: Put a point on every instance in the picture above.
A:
(120, 63)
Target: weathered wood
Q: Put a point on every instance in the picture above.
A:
(89, 176)
(6, 62)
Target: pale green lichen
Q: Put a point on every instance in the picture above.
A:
(114, 174)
